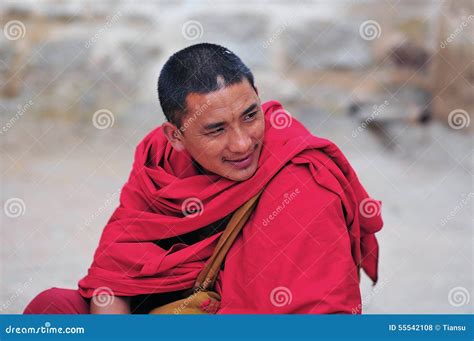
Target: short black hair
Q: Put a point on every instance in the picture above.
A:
(200, 68)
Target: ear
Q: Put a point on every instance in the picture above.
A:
(174, 136)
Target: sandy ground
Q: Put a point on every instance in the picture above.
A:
(68, 176)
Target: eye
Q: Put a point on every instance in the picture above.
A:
(215, 132)
(251, 116)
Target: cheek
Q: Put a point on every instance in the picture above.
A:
(259, 130)
(207, 151)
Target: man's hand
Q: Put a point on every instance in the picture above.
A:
(107, 304)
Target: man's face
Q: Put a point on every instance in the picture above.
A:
(222, 130)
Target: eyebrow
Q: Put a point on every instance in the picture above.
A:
(215, 125)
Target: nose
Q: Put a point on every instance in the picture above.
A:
(239, 142)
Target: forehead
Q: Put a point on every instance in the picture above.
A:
(226, 101)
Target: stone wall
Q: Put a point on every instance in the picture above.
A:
(69, 59)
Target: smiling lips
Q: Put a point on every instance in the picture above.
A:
(244, 162)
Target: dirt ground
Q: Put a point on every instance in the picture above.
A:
(67, 177)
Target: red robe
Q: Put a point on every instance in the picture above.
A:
(300, 251)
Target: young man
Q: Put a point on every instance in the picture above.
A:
(302, 247)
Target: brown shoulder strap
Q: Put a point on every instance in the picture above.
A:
(207, 277)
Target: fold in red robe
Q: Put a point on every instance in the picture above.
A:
(300, 251)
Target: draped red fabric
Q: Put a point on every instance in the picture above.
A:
(312, 229)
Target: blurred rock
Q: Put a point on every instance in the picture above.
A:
(327, 45)
(77, 58)
(408, 54)
(243, 33)
(72, 79)
(452, 68)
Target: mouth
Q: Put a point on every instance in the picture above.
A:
(244, 162)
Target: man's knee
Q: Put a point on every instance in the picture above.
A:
(40, 302)
(57, 301)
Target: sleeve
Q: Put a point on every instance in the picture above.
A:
(294, 255)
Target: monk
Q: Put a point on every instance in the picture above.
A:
(300, 251)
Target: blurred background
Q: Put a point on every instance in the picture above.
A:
(389, 81)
